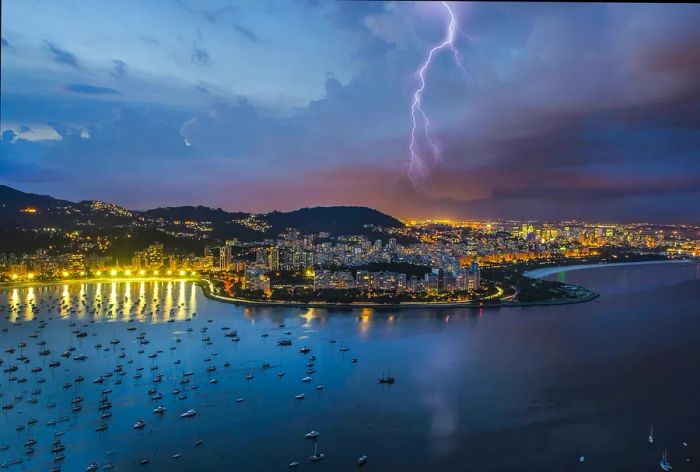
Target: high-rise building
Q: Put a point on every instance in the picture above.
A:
(75, 262)
(261, 256)
(138, 260)
(154, 256)
(273, 258)
(226, 254)
(363, 279)
(474, 277)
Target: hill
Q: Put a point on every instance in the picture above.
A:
(22, 212)
(335, 220)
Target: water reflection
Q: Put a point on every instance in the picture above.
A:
(86, 300)
(365, 319)
(492, 390)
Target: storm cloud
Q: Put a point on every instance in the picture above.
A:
(569, 111)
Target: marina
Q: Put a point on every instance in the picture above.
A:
(152, 367)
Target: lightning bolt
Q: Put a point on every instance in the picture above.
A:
(418, 166)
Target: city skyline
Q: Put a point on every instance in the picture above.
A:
(584, 111)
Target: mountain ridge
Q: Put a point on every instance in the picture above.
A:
(27, 211)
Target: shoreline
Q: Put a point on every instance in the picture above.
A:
(547, 271)
(100, 280)
(205, 285)
(206, 291)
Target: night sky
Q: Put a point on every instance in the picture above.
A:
(586, 111)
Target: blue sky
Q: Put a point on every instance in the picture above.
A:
(568, 110)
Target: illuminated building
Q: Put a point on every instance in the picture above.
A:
(273, 258)
(154, 256)
(225, 255)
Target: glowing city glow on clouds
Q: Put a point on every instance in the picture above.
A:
(418, 169)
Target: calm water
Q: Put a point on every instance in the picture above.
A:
(498, 390)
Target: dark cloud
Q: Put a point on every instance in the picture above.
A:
(214, 16)
(148, 39)
(120, 69)
(200, 57)
(90, 89)
(226, 14)
(589, 111)
(238, 128)
(246, 33)
(61, 55)
(8, 135)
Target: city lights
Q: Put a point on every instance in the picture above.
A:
(434, 260)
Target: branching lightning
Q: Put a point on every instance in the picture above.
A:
(418, 169)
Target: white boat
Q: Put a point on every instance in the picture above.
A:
(663, 463)
(188, 414)
(293, 464)
(306, 379)
(651, 435)
(160, 409)
(313, 434)
(300, 396)
(316, 457)
(139, 424)
(362, 460)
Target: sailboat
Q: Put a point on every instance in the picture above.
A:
(663, 463)
(651, 435)
(386, 379)
(316, 457)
